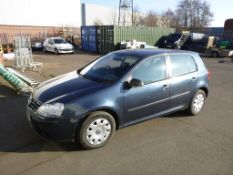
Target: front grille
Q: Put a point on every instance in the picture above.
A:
(65, 49)
(34, 104)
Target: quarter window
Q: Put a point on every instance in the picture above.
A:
(151, 70)
(192, 64)
(182, 64)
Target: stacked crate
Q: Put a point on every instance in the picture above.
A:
(23, 54)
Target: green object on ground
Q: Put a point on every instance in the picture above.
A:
(13, 80)
(224, 44)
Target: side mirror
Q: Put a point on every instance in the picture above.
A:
(135, 83)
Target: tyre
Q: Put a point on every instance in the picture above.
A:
(56, 51)
(214, 54)
(96, 130)
(44, 50)
(197, 103)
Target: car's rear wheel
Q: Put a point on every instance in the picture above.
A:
(197, 102)
(96, 130)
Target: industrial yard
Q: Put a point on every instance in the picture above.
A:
(41, 40)
(174, 144)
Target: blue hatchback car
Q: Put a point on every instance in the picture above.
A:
(115, 91)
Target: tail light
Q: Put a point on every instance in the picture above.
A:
(209, 75)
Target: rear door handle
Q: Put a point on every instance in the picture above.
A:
(194, 79)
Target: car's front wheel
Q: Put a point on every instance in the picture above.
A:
(96, 130)
(214, 54)
(56, 51)
(44, 50)
(197, 102)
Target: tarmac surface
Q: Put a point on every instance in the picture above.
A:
(172, 145)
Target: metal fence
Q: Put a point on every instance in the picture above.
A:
(9, 32)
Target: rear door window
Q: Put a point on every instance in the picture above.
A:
(192, 64)
(182, 64)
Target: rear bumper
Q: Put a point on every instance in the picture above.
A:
(57, 130)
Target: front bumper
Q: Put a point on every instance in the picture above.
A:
(59, 129)
(65, 51)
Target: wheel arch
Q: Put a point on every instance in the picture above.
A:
(110, 111)
(113, 113)
(205, 89)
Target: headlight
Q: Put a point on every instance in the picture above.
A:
(51, 110)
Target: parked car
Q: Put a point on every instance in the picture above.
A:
(119, 89)
(169, 42)
(37, 44)
(57, 45)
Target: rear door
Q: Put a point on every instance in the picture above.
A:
(152, 98)
(183, 71)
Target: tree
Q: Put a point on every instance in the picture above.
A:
(168, 18)
(151, 19)
(98, 22)
(137, 16)
(114, 17)
(193, 14)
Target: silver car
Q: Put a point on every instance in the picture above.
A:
(57, 45)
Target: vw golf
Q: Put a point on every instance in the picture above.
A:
(116, 90)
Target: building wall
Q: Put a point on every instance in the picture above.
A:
(93, 14)
(40, 12)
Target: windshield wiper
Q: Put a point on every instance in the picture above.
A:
(96, 79)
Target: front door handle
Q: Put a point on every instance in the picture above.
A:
(194, 79)
(165, 87)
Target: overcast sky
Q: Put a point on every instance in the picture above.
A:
(222, 9)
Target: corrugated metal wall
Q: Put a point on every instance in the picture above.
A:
(214, 31)
(228, 36)
(150, 35)
(9, 32)
(103, 39)
(228, 31)
(228, 24)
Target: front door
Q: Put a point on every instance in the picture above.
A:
(152, 98)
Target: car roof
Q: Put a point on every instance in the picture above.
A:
(152, 51)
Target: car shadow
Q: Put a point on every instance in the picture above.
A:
(16, 134)
(180, 114)
(6, 91)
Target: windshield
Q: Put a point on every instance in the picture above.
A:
(173, 37)
(110, 67)
(60, 41)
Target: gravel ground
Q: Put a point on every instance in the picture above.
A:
(176, 144)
